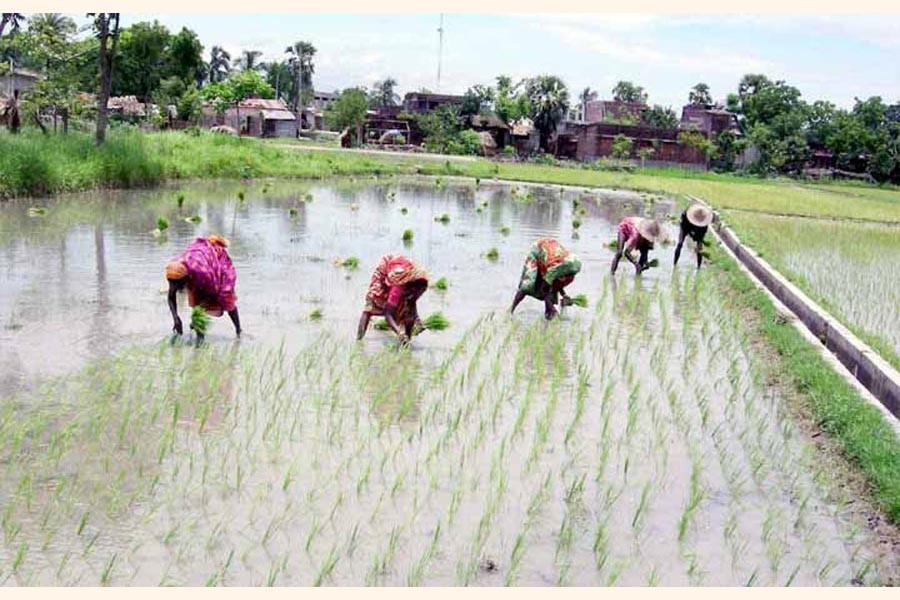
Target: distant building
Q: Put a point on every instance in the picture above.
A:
(708, 120)
(421, 102)
(322, 100)
(18, 79)
(591, 141)
(255, 117)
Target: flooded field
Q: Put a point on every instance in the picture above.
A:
(852, 268)
(635, 442)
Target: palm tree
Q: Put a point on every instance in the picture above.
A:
(587, 95)
(219, 64)
(56, 24)
(248, 60)
(14, 20)
(549, 100)
(301, 63)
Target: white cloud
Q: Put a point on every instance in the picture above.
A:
(703, 60)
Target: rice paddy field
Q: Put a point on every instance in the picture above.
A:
(851, 268)
(637, 441)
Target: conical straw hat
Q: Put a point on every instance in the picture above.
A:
(650, 229)
(699, 215)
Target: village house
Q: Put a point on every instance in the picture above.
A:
(18, 79)
(421, 102)
(255, 117)
(587, 142)
(708, 120)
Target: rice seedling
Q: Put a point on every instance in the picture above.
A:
(444, 218)
(492, 255)
(408, 235)
(37, 211)
(350, 263)
(436, 322)
(200, 321)
(292, 211)
(504, 230)
(194, 219)
(580, 300)
(179, 199)
(315, 315)
(240, 195)
(162, 224)
(308, 197)
(441, 284)
(576, 223)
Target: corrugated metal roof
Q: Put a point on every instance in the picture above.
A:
(278, 115)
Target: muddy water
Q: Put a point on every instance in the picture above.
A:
(87, 278)
(635, 442)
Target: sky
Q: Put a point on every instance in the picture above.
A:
(828, 57)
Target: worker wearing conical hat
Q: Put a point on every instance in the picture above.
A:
(695, 222)
(636, 233)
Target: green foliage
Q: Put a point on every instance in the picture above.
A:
(477, 100)
(408, 235)
(444, 218)
(237, 87)
(315, 315)
(351, 263)
(441, 284)
(622, 146)
(695, 139)
(700, 95)
(662, 117)
(492, 255)
(626, 91)
(162, 223)
(549, 100)
(348, 112)
(510, 103)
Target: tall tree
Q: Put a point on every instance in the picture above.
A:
(12, 20)
(626, 91)
(249, 60)
(700, 96)
(510, 103)
(300, 58)
(384, 94)
(219, 64)
(56, 24)
(106, 27)
(477, 100)
(662, 117)
(185, 58)
(549, 101)
(141, 60)
(349, 112)
(278, 75)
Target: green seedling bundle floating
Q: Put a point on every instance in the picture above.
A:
(444, 218)
(580, 300)
(492, 255)
(408, 235)
(441, 284)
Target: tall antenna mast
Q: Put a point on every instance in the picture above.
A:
(440, 51)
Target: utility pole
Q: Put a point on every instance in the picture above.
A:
(440, 51)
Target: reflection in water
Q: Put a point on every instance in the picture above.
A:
(284, 262)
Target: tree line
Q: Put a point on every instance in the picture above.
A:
(167, 68)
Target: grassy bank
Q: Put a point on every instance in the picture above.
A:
(863, 434)
(32, 164)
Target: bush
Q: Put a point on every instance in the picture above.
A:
(464, 142)
(509, 150)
